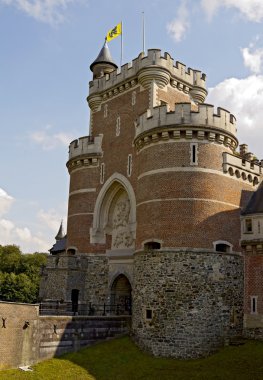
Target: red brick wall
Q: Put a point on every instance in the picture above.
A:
(253, 282)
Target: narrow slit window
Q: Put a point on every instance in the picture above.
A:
(129, 165)
(254, 304)
(193, 153)
(102, 173)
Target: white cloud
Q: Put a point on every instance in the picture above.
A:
(180, 25)
(251, 9)
(10, 234)
(253, 58)
(5, 201)
(243, 98)
(50, 218)
(48, 140)
(50, 11)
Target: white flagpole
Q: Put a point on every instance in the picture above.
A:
(143, 33)
(121, 43)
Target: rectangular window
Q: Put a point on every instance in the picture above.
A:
(102, 173)
(129, 165)
(248, 225)
(254, 304)
(193, 153)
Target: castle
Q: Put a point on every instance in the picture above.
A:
(156, 194)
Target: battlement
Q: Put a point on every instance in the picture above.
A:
(183, 115)
(86, 145)
(174, 71)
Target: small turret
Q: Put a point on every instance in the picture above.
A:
(61, 242)
(103, 64)
(60, 233)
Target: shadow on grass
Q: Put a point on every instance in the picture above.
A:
(120, 359)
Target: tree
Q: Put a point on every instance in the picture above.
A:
(19, 274)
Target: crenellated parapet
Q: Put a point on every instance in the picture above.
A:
(144, 70)
(183, 122)
(85, 151)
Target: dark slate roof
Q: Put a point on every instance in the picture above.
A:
(255, 204)
(104, 57)
(59, 246)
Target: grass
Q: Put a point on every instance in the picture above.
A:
(120, 359)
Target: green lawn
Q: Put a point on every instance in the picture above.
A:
(120, 359)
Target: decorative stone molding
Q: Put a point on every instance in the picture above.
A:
(123, 225)
(147, 75)
(94, 102)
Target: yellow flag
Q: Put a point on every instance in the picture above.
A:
(115, 32)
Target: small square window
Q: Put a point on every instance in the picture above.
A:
(149, 314)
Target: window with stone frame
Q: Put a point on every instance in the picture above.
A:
(118, 126)
(133, 102)
(248, 225)
(105, 110)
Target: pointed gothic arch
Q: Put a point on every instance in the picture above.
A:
(115, 213)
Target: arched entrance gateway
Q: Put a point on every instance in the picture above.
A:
(121, 299)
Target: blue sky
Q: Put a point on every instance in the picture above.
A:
(46, 49)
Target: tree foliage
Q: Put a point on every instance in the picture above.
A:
(19, 274)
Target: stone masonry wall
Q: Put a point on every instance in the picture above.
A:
(195, 299)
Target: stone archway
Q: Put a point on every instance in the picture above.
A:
(121, 295)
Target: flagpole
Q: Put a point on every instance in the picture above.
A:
(121, 43)
(143, 33)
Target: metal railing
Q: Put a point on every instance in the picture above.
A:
(56, 307)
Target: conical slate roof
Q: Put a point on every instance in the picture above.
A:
(255, 204)
(104, 57)
(60, 233)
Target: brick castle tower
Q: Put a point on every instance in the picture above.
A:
(154, 206)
